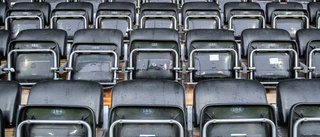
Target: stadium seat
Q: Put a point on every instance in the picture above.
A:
(187, 1)
(116, 15)
(313, 9)
(243, 15)
(201, 15)
(154, 54)
(308, 40)
(159, 15)
(233, 108)
(147, 108)
(212, 54)
(272, 56)
(287, 15)
(71, 16)
(62, 108)
(137, 3)
(54, 3)
(298, 104)
(10, 96)
(3, 8)
(34, 56)
(27, 15)
(95, 56)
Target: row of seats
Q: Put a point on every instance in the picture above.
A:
(194, 15)
(157, 108)
(157, 54)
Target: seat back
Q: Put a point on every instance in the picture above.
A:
(119, 15)
(95, 4)
(148, 100)
(10, 95)
(261, 34)
(196, 15)
(228, 91)
(57, 93)
(158, 15)
(80, 13)
(148, 63)
(212, 64)
(236, 15)
(92, 54)
(289, 16)
(10, 3)
(27, 15)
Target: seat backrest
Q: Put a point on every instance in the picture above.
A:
(169, 9)
(84, 93)
(304, 36)
(10, 3)
(10, 97)
(233, 91)
(290, 92)
(148, 93)
(58, 36)
(3, 8)
(77, 6)
(250, 35)
(118, 6)
(207, 36)
(271, 7)
(200, 7)
(96, 37)
(313, 8)
(154, 35)
(245, 6)
(42, 6)
(95, 3)
(148, 100)
(4, 41)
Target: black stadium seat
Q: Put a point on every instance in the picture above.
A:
(233, 108)
(243, 15)
(10, 3)
(147, 108)
(4, 41)
(272, 56)
(287, 15)
(116, 15)
(298, 100)
(63, 106)
(159, 15)
(154, 54)
(201, 15)
(95, 55)
(27, 15)
(71, 16)
(212, 54)
(35, 55)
